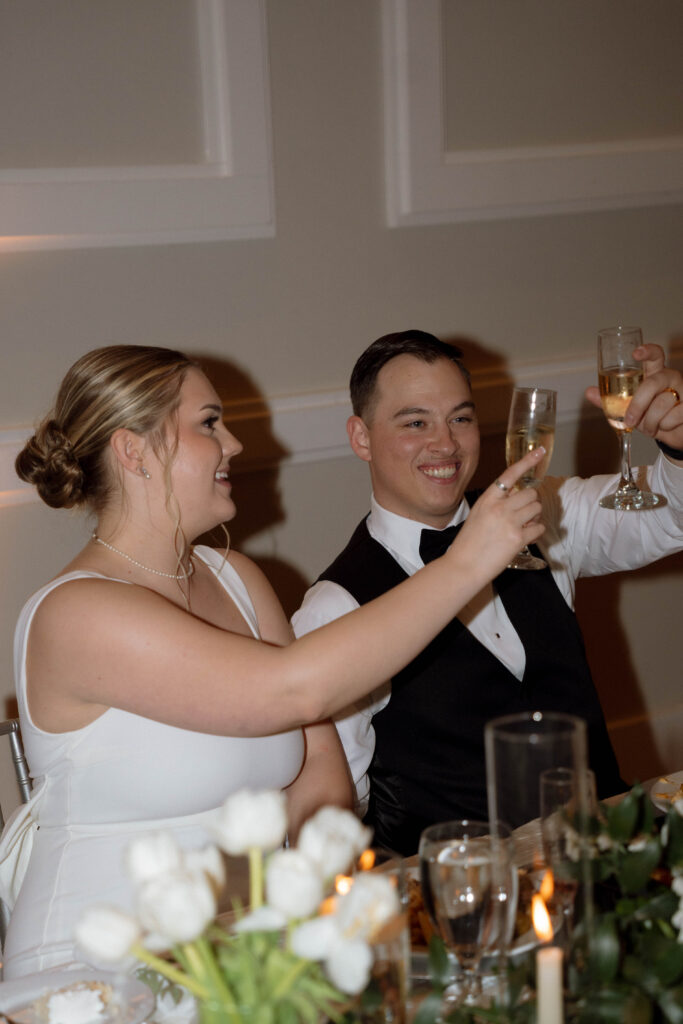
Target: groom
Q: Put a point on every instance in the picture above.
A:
(416, 747)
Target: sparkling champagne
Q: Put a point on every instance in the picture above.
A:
(618, 385)
(521, 441)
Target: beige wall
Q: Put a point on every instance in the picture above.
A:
(291, 313)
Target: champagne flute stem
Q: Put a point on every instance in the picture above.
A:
(627, 484)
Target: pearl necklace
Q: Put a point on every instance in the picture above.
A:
(157, 572)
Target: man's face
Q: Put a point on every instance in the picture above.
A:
(421, 439)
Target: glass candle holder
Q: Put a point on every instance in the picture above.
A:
(520, 750)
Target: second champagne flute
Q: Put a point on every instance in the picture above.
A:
(619, 375)
(531, 423)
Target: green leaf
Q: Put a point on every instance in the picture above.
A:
(440, 968)
(636, 868)
(604, 950)
(429, 1009)
(285, 1013)
(622, 818)
(674, 848)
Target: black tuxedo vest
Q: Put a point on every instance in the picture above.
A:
(429, 764)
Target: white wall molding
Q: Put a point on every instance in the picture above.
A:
(291, 429)
(227, 194)
(428, 184)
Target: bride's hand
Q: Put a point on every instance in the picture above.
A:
(500, 522)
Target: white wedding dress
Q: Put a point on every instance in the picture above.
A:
(97, 787)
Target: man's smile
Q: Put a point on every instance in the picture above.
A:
(446, 472)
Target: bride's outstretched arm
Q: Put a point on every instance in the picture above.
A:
(98, 643)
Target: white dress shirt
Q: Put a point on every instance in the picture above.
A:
(580, 539)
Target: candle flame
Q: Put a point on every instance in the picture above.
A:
(342, 884)
(328, 905)
(366, 861)
(541, 918)
(547, 886)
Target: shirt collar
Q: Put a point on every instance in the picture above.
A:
(401, 536)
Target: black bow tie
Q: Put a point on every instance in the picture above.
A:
(434, 542)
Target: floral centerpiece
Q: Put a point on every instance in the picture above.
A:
(625, 963)
(280, 961)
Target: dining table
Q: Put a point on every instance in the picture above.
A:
(526, 840)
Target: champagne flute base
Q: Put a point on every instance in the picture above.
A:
(525, 560)
(638, 501)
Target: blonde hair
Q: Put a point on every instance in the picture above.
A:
(135, 387)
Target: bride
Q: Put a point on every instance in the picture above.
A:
(155, 677)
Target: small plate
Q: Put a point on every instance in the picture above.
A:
(667, 789)
(132, 1002)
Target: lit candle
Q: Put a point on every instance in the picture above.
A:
(549, 991)
(549, 1005)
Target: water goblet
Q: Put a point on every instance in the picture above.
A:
(460, 872)
(531, 423)
(619, 375)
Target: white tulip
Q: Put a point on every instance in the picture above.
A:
(250, 819)
(348, 965)
(263, 919)
(371, 901)
(293, 884)
(178, 905)
(332, 838)
(151, 855)
(209, 860)
(314, 939)
(106, 933)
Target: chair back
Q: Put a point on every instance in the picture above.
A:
(10, 728)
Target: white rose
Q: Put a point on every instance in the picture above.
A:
(371, 901)
(348, 965)
(178, 905)
(251, 819)
(106, 933)
(293, 884)
(263, 919)
(332, 838)
(151, 855)
(209, 860)
(314, 939)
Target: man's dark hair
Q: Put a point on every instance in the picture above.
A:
(402, 343)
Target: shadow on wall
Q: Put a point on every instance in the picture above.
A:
(259, 505)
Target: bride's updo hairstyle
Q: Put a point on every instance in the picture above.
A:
(134, 387)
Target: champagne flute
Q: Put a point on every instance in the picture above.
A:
(531, 423)
(461, 873)
(619, 375)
